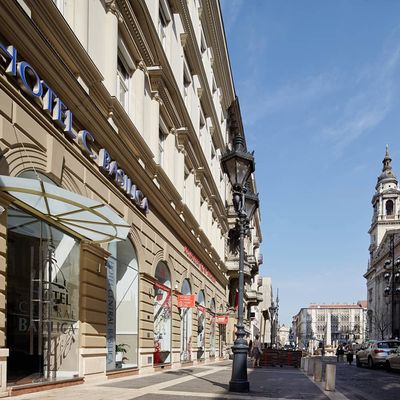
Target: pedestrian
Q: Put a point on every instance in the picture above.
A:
(339, 353)
(250, 346)
(350, 353)
(256, 352)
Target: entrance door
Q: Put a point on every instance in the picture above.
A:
(42, 301)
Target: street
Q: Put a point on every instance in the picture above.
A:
(366, 384)
(211, 382)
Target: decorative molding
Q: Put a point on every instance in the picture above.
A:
(184, 37)
(111, 6)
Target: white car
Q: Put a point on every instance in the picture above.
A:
(393, 360)
(375, 352)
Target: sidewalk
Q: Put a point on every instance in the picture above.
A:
(208, 381)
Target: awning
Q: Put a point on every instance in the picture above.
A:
(79, 215)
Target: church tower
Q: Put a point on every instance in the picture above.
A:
(385, 203)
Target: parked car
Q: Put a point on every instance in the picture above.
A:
(393, 360)
(376, 352)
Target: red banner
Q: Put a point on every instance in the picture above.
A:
(186, 300)
(222, 319)
(201, 308)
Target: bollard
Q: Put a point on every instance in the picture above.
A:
(330, 377)
(305, 366)
(302, 363)
(310, 369)
(318, 371)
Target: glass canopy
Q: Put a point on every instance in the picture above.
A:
(79, 215)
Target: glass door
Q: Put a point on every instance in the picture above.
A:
(42, 301)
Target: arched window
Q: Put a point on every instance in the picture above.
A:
(162, 314)
(212, 328)
(122, 305)
(201, 324)
(389, 207)
(186, 325)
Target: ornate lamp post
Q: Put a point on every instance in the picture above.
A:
(238, 164)
(272, 311)
(392, 275)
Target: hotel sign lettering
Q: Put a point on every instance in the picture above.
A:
(35, 87)
(199, 264)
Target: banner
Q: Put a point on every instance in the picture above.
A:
(186, 300)
(222, 319)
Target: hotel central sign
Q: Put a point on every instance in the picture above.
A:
(36, 88)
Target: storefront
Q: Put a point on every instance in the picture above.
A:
(162, 315)
(122, 306)
(201, 325)
(45, 226)
(186, 325)
(212, 328)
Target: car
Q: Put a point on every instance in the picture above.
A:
(375, 352)
(393, 360)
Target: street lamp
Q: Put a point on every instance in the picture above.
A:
(238, 164)
(392, 275)
(272, 311)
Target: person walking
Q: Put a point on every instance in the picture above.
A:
(339, 353)
(350, 353)
(256, 352)
(250, 347)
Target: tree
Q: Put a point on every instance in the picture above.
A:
(381, 323)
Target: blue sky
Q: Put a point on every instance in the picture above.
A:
(319, 90)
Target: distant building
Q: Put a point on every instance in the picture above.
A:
(283, 336)
(264, 312)
(384, 249)
(330, 324)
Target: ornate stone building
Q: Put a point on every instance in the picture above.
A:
(116, 219)
(330, 324)
(382, 283)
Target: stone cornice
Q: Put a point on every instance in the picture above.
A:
(136, 32)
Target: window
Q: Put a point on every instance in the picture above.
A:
(214, 85)
(203, 44)
(123, 83)
(212, 156)
(187, 80)
(202, 123)
(164, 18)
(389, 207)
(185, 185)
(161, 147)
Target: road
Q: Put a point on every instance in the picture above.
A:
(366, 384)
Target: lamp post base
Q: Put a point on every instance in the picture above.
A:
(239, 387)
(239, 382)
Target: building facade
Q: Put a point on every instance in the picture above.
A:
(116, 218)
(330, 325)
(382, 282)
(264, 312)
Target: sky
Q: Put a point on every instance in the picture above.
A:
(319, 89)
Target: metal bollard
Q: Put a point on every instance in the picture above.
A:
(318, 371)
(330, 377)
(302, 363)
(310, 369)
(305, 366)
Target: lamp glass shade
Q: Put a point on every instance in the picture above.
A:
(251, 204)
(238, 165)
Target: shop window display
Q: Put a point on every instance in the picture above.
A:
(162, 315)
(122, 306)
(42, 300)
(212, 328)
(201, 324)
(186, 326)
